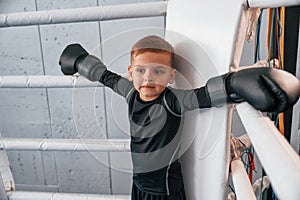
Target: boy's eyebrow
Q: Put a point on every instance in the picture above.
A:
(137, 66)
(156, 65)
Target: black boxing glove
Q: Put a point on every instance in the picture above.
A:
(75, 58)
(266, 89)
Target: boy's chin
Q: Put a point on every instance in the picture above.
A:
(148, 97)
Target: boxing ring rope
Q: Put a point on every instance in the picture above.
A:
(271, 3)
(46, 82)
(243, 188)
(6, 177)
(3, 194)
(24, 195)
(280, 161)
(100, 13)
(32, 144)
(260, 184)
(51, 81)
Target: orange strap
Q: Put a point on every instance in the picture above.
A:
(280, 48)
(281, 122)
(269, 31)
(282, 22)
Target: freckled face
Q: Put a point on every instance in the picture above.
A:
(151, 72)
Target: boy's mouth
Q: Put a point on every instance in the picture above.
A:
(147, 86)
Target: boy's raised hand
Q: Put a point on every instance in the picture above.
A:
(75, 58)
(266, 89)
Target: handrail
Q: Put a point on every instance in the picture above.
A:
(32, 144)
(47, 81)
(100, 13)
(280, 161)
(24, 195)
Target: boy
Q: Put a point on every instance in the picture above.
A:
(156, 111)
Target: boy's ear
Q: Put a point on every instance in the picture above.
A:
(172, 76)
(129, 73)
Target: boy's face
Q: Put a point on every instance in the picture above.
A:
(151, 72)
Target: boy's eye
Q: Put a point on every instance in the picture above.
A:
(159, 71)
(140, 70)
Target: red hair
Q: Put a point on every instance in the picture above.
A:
(154, 44)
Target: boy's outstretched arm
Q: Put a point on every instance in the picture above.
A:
(266, 89)
(75, 58)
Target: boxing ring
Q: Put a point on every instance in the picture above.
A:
(201, 181)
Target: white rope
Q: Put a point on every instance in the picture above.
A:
(241, 182)
(3, 195)
(20, 195)
(271, 3)
(257, 188)
(32, 144)
(5, 172)
(45, 82)
(100, 13)
(279, 159)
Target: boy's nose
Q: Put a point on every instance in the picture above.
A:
(148, 77)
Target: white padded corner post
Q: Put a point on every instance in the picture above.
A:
(203, 33)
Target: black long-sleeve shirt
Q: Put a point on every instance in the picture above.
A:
(156, 131)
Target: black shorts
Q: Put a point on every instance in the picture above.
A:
(137, 194)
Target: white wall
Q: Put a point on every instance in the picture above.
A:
(47, 113)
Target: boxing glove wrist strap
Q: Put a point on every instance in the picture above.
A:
(216, 91)
(91, 68)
